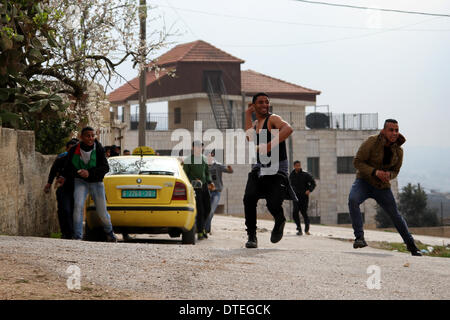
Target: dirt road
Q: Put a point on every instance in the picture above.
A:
(307, 267)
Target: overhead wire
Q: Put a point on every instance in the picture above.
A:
(372, 8)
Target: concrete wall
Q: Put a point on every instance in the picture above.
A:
(24, 208)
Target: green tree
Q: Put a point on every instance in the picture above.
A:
(25, 101)
(413, 207)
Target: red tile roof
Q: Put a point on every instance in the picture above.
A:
(122, 93)
(201, 51)
(253, 82)
(197, 51)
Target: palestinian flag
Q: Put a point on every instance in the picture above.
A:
(79, 163)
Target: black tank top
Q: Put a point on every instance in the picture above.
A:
(266, 133)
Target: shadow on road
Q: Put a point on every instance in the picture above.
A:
(154, 241)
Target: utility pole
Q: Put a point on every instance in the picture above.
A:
(142, 72)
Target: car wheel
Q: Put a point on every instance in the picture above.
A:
(94, 234)
(188, 237)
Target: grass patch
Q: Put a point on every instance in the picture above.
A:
(438, 251)
(56, 235)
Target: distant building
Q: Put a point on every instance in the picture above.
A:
(210, 86)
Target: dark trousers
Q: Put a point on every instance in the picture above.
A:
(362, 190)
(203, 205)
(302, 206)
(270, 188)
(64, 197)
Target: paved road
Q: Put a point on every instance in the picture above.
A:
(307, 267)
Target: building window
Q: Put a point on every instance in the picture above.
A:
(177, 115)
(120, 114)
(313, 167)
(345, 165)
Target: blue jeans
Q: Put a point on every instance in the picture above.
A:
(97, 191)
(362, 190)
(215, 197)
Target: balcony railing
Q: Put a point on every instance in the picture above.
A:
(298, 121)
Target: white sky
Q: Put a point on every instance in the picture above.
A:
(354, 57)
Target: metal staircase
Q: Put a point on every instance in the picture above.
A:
(220, 108)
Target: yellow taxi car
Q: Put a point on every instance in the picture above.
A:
(148, 194)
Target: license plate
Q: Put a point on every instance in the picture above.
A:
(138, 193)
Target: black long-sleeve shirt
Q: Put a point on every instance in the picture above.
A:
(57, 169)
(301, 182)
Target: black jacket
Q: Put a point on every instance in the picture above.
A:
(96, 173)
(57, 169)
(301, 182)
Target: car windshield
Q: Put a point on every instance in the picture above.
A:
(144, 165)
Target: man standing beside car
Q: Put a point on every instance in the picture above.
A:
(215, 169)
(87, 164)
(196, 168)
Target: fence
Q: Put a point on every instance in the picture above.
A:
(298, 121)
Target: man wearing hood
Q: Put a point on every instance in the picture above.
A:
(378, 161)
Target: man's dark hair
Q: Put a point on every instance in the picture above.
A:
(126, 150)
(86, 129)
(259, 95)
(297, 161)
(72, 142)
(389, 121)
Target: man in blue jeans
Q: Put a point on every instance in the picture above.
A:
(378, 161)
(87, 164)
(215, 170)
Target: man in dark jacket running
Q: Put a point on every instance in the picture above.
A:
(87, 164)
(378, 161)
(303, 184)
(64, 194)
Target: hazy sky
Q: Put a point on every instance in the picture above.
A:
(363, 61)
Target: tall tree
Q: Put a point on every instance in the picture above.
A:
(413, 206)
(55, 53)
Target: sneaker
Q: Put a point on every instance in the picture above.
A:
(205, 234)
(416, 253)
(307, 233)
(299, 233)
(359, 243)
(252, 241)
(201, 236)
(414, 250)
(110, 237)
(277, 231)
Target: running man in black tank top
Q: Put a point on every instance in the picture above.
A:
(271, 186)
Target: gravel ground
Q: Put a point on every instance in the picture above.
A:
(306, 267)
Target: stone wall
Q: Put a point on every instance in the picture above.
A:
(25, 209)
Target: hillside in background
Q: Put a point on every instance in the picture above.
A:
(429, 166)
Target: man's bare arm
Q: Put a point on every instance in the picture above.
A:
(284, 130)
